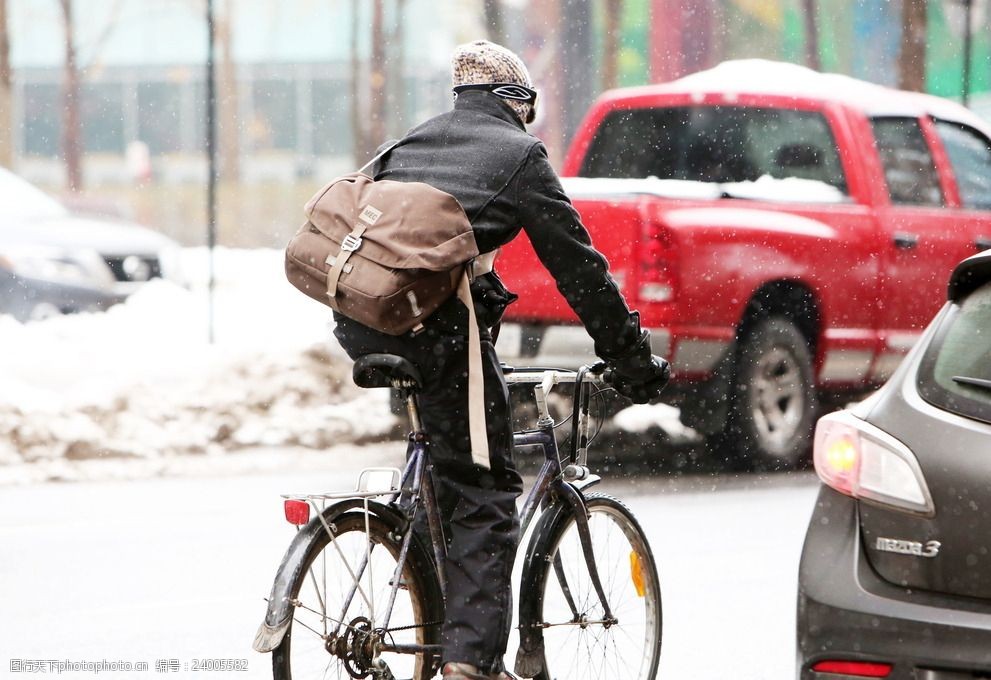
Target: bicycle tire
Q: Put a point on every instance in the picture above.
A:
(418, 610)
(631, 648)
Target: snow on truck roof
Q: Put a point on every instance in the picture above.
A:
(772, 78)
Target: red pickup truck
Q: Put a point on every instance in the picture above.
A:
(784, 234)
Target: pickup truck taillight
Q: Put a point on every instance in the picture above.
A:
(657, 281)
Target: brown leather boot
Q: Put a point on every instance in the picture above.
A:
(465, 671)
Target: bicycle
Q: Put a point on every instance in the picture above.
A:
(359, 594)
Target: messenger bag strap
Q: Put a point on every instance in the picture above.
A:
(379, 155)
(350, 244)
(476, 382)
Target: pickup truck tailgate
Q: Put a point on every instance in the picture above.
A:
(614, 226)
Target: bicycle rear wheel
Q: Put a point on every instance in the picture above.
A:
(338, 627)
(578, 642)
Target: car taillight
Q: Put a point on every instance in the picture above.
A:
(657, 280)
(863, 461)
(860, 669)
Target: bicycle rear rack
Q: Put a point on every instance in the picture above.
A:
(365, 489)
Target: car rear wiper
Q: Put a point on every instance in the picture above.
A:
(976, 382)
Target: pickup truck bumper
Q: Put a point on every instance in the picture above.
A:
(563, 346)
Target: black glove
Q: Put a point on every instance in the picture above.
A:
(638, 375)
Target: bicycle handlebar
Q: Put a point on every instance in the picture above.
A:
(596, 374)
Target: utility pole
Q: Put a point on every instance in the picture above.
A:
(211, 151)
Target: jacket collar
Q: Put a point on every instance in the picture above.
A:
(486, 102)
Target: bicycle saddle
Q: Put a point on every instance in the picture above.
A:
(382, 370)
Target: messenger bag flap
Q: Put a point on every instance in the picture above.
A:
(402, 225)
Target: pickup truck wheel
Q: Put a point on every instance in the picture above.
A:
(773, 401)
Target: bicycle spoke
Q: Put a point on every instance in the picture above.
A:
(308, 628)
(347, 565)
(323, 606)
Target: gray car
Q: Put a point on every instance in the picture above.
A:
(895, 577)
(52, 261)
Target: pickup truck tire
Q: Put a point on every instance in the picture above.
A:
(772, 397)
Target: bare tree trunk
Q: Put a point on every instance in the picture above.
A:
(71, 120)
(812, 59)
(494, 21)
(397, 68)
(610, 47)
(548, 14)
(358, 138)
(377, 89)
(912, 57)
(667, 54)
(229, 143)
(229, 137)
(6, 93)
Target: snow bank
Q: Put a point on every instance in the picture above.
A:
(139, 391)
(141, 381)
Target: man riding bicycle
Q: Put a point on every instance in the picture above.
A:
(481, 154)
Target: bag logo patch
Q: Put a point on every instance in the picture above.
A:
(370, 214)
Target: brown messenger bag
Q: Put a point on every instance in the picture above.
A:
(387, 254)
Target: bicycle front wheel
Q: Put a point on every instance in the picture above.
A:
(342, 621)
(579, 640)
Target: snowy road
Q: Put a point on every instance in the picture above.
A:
(177, 568)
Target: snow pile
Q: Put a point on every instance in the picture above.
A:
(642, 418)
(142, 381)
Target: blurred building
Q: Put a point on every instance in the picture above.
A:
(143, 80)
(293, 63)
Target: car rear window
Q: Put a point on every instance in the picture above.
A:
(970, 156)
(909, 169)
(955, 374)
(720, 144)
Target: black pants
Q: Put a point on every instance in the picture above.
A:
(478, 506)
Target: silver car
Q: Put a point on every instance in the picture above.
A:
(52, 261)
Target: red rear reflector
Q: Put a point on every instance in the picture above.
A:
(863, 669)
(297, 512)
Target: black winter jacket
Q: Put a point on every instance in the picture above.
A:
(481, 154)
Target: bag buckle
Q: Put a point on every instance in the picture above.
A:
(351, 243)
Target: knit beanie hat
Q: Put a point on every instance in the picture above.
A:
(482, 62)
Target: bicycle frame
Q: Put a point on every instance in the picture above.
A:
(555, 486)
(553, 482)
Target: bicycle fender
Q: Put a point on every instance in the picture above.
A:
(279, 613)
(530, 656)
